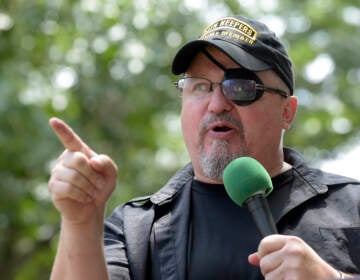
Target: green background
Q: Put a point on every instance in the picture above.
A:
(104, 67)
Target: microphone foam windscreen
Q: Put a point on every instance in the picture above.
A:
(244, 177)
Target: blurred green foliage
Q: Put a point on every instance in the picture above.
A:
(104, 67)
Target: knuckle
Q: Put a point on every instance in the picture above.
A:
(69, 190)
(266, 241)
(295, 246)
(56, 169)
(55, 184)
(73, 176)
(78, 183)
(294, 239)
(74, 159)
(293, 250)
(61, 156)
(51, 181)
(65, 190)
(263, 264)
(266, 265)
(79, 159)
(50, 184)
(108, 161)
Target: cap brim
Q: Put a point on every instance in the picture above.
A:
(187, 53)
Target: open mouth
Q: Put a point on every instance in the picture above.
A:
(221, 129)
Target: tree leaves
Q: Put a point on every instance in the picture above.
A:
(104, 66)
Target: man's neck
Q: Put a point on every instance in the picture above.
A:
(280, 169)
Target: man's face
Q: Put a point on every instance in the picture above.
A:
(216, 130)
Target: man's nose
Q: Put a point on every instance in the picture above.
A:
(218, 102)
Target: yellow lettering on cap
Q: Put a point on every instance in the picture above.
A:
(211, 27)
(232, 28)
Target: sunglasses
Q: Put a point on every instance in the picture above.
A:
(241, 91)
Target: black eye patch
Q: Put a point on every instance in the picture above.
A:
(241, 73)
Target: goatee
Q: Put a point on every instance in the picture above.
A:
(219, 155)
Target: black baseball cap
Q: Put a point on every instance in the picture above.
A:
(250, 43)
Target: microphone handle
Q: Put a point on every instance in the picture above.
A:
(260, 212)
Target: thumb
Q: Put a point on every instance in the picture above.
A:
(104, 165)
(254, 259)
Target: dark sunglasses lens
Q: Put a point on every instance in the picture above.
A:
(240, 91)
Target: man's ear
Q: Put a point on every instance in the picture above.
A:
(289, 111)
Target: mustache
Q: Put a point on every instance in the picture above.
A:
(218, 118)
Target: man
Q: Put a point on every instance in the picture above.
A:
(237, 100)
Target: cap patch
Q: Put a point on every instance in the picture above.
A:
(231, 28)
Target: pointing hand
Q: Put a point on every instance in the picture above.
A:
(81, 181)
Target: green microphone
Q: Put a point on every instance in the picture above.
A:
(247, 183)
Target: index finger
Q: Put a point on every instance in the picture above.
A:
(271, 243)
(69, 138)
